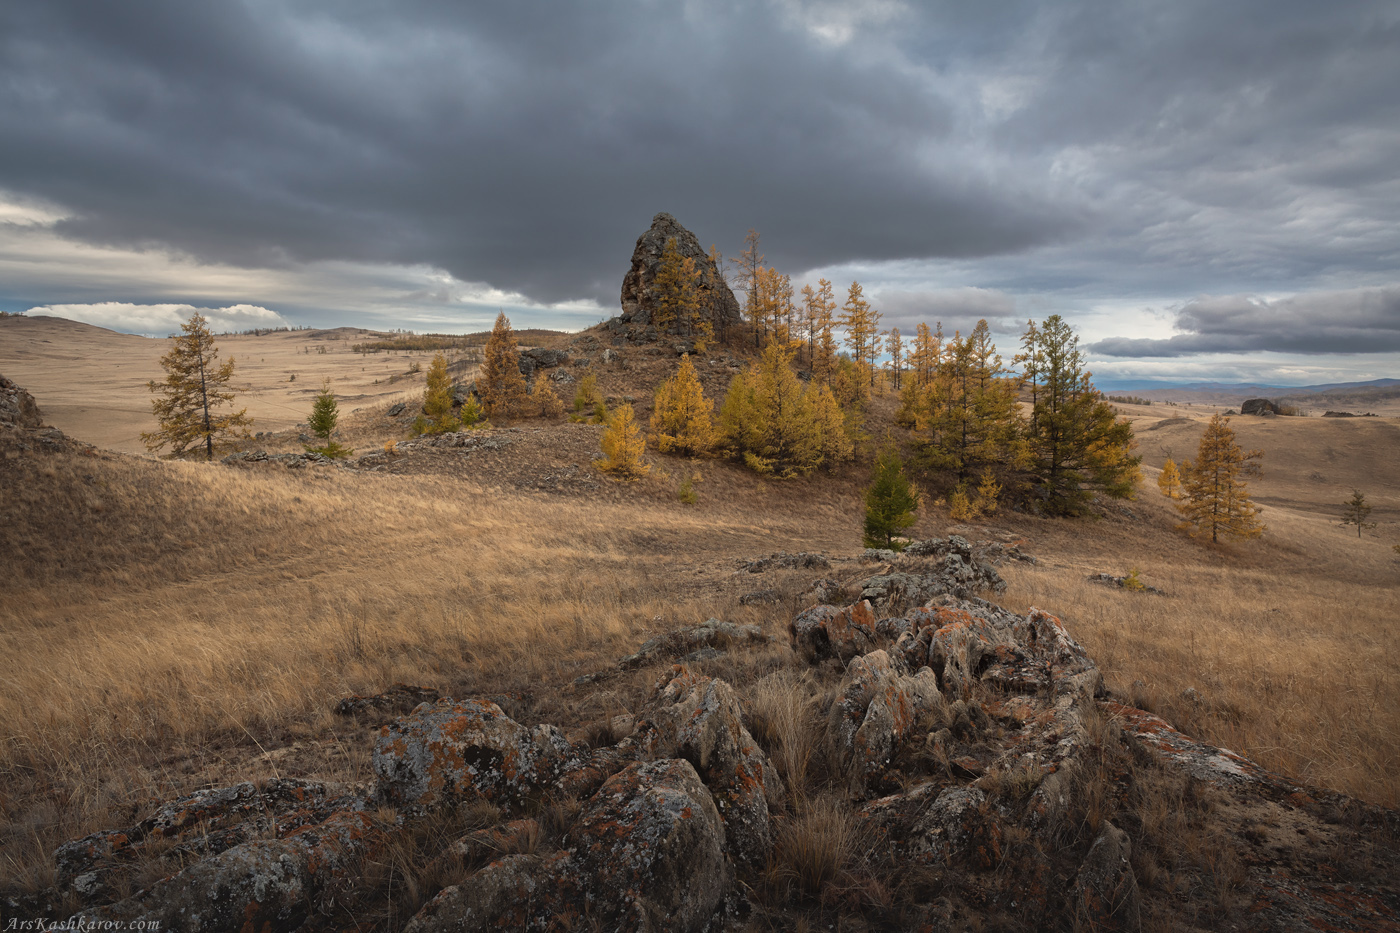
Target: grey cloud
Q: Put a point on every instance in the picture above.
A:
(958, 309)
(1355, 321)
(522, 144)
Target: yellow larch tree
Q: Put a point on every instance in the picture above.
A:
(1169, 481)
(623, 446)
(678, 306)
(437, 417)
(1215, 498)
(681, 421)
(862, 325)
(500, 385)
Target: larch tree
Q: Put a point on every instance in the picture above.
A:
(679, 308)
(767, 418)
(966, 419)
(324, 415)
(437, 416)
(195, 387)
(1169, 481)
(623, 446)
(894, 346)
(681, 420)
(822, 313)
(750, 266)
(1356, 510)
(1215, 498)
(890, 500)
(500, 384)
(1077, 442)
(862, 325)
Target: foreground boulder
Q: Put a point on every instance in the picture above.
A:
(266, 884)
(645, 855)
(709, 733)
(454, 752)
(639, 292)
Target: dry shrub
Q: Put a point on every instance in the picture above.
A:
(815, 851)
(785, 712)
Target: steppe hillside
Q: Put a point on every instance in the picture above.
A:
(167, 626)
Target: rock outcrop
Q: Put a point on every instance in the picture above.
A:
(17, 407)
(639, 295)
(1258, 406)
(973, 750)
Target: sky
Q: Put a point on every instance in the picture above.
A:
(1205, 190)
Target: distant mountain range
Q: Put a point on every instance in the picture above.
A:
(1248, 389)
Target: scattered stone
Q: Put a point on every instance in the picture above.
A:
(537, 358)
(1126, 583)
(396, 409)
(761, 598)
(1105, 893)
(878, 555)
(397, 700)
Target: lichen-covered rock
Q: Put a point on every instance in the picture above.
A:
(713, 633)
(877, 708)
(207, 822)
(932, 568)
(709, 732)
(646, 855)
(266, 884)
(650, 849)
(935, 826)
(830, 632)
(458, 751)
(1105, 895)
(782, 560)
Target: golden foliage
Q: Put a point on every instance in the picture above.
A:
(543, 400)
(679, 308)
(681, 421)
(437, 417)
(1216, 499)
(623, 446)
(768, 418)
(500, 385)
(1170, 480)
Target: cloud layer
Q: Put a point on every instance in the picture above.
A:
(1356, 321)
(162, 320)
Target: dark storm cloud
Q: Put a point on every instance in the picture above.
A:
(1355, 321)
(1085, 144)
(522, 144)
